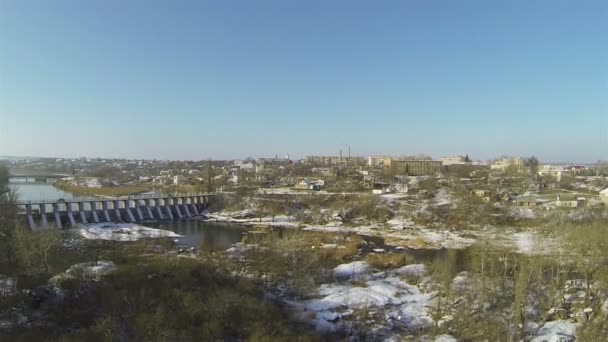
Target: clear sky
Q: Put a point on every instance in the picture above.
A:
(230, 79)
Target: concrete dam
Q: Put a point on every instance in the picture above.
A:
(62, 213)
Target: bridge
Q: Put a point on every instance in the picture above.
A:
(63, 213)
(37, 176)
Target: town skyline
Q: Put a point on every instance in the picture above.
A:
(301, 158)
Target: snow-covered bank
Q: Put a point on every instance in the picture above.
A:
(403, 232)
(248, 217)
(123, 232)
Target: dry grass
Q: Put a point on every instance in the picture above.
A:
(344, 251)
(105, 191)
(386, 261)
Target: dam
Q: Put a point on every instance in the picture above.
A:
(69, 213)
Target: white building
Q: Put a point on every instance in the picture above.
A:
(374, 161)
(179, 180)
(552, 170)
(456, 160)
(504, 163)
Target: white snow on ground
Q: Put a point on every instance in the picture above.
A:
(462, 282)
(556, 331)
(123, 232)
(445, 338)
(392, 197)
(7, 286)
(400, 223)
(522, 213)
(526, 242)
(443, 197)
(406, 306)
(352, 269)
(248, 217)
(85, 271)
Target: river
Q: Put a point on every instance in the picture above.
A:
(38, 191)
(206, 235)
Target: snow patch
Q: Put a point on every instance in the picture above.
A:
(405, 305)
(123, 232)
(414, 270)
(556, 331)
(7, 286)
(445, 338)
(85, 271)
(352, 269)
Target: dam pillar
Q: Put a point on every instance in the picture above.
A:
(149, 210)
(94, 212)
(57, 216)
(43, 219)
(106, 213)
(194, 209)
(129, 212)
(175, 202)
(68, 208)
(185, 206)
(83, 214)
(140, 215)
(117, 211)
(158, 210)
(30, 217)
(168, 207)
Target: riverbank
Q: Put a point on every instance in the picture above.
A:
(406, 234)
(122, 190)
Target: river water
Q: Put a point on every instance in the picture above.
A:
(206, 235)
(37, 191)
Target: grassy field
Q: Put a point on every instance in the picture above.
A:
(105, 191)
(564, 196)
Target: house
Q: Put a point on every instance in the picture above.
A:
(482, 193)
(578, 203)
(553, 170)
(576, 169)
(307, 184)
(244, 165)
(527, 201)
(380, 188)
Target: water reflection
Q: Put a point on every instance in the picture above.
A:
(39, 191)
(209, 236)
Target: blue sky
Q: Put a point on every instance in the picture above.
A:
(229, 79)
